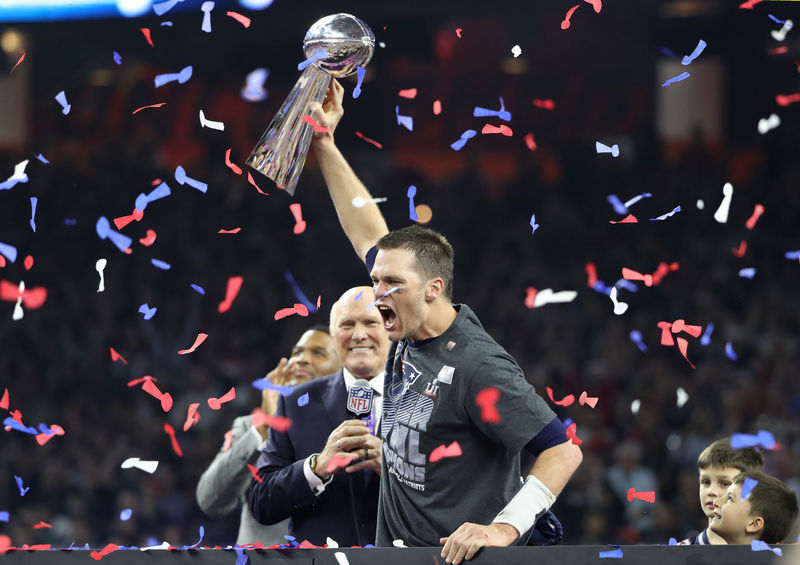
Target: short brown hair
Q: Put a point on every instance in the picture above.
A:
(774, 502)
(721, 454)
(433, 252)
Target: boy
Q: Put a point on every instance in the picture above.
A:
(756, 507)
(718, 464)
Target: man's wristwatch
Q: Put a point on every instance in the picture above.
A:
(312, 462)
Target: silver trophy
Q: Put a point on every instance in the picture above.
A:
(334, 46)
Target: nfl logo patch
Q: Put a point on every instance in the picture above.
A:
(359, 400)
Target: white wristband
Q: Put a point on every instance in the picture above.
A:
(532, 500)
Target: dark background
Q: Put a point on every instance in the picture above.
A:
(602, 74)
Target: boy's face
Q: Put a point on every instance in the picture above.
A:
(732, 518)
(714, 482)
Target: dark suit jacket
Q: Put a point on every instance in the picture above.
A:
(348, 509)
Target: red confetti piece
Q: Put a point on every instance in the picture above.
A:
(5, 543)
(666, 336)
(159, 105)
(149, 238)
(116, 356)
(253, 182)
(586, 399)
(439, 452)
(751, 222)
(749, 4)
(18, 62)
(338, 462)
(566, 23)
(530, 298)
(573, 435)
(545, 103)
(234, 284)
(279, 423)
(193, 416)
(55, 430)
(41, 525)
(176, 447)
(505, 130)
(647, 496)
(146, 32)
(681, 326)
(28, 262)
(530, 142)
(98, 555)
(372, 141)
(596, 4)
(683, 346)
(486, 400)
(234, 230)
(235, 168)
(216, 403)
(437, 107)
(629, 219)
(32, 298)
(663, 270)
(254, 472)
(631, 275)
(566, 401)
(409, 93)
(244, 20)
(778, 50)
(458, 32)
(201, 337)
(591, 274)
(135, 382)
(786, 99)
(164, 397)
(299, 309)
(300, 225)
(319, 300)
(4, 400)
(123, 221)
(2, 261)
(741, 250)
(310, 121)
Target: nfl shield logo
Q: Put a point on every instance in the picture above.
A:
(359, 399)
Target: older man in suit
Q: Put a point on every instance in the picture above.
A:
(223, 486)
(323, 472)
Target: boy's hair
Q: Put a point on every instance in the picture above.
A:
(433, 252)
(774, 502)
(721, 454)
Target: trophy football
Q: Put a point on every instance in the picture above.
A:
(334, 46)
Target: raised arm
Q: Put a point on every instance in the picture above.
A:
(363, 225)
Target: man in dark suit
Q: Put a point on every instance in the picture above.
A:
(324, 471)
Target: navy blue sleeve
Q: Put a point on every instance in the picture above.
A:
(554, 433)
(369, 259)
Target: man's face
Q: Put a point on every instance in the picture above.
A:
(714, 482)
(403, 310)
(358, 334)
(731, 515)
(313, 356)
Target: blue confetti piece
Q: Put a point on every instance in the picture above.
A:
(405, 121)
(469, 134)
(161, 264)
(568, 422)
(4, 516)
(696, 53)
(673, 541)
(534, 225)
(617, 204)
(636, 337)
(601, 287)
(198, 288)
(42, 159)
(759, 545)
(261, 384)
(180, 176)
(303, 400)
(9, 251)
(678, 78)
(792, 255)
(14, 424)
(626, 284)
(614, 554)
(747, 487)
(776, 20)
(163, 7)
(730, 352)
(486, 112)
(34, 201)
(360, 295)
(360, 72)
(706, 339)
(184, 75)
(166, 24)
(125, 515)
(667, 215)
(117, 58)
(747, 273)
(764, 439)
(316, 56)
(147, 311)
(666, 51)
(70, 221)
(241, 558)
(61, 98)
(104, 230)
(412, 210)
(298, 292)
(22, 490)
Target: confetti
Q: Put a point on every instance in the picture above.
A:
(241, 556)
(747, 487)
(298, 292)
(42, 525)
(182, 77)
(103, 228)
(601, 148)
(254, 90)
(22, 58)
(161, 264)
(405, 121)
(631, 275)
(253, 182)
(338, 462)
(162, 8)
(279, 423)
(469, 134)
(749, 4)
(201, 337)
(747, 273)
(9, 251)
(22, 489)
(303, 400)
(767, 124)
(135, 462)
(619, 307)
(757, 212)
(586, 399)
(683, 397)
(565, 22)
(635, 405)
(206, 7)
(4, 516)
(572, 434)
(234, 284)
(234, 230)
(566, 401)
(786, 99)
(299, 309)
(180, 176)
(412, 211)
(61, 98)
(160, 191)
(244, 20)
(18, 176)
(4, 400)
(545, 103)
(216, 403)
(706, 339)
(503, 129)
(206, 123)
(192, 416)
(98, 555)
(486, 400)
(372, 141)
(310, 121)
(533, 224)
(760, 545)
(199, 289)
(116, 356)
(458, 32)
(149, 238)
(780, 34)
(378, 298)
(647, 496)
(19, 426)
(317, 55)
(146, 32)
(159, 105)
(547, 296)
(678, 78)
(596, 4)
(696, 53)
(721, 215)
(614, 554)
(300, 224)
(764, 439)
(530, 142)
(502, 113)
(667, 215)
(341, 557)
(437, 107)
(516, 51)
(34, 201)
(729, 352)
(409, 93)
(741, 250)
(170, 431)
(147, 311)
(235, 168)
(442, 451)
(164, 397)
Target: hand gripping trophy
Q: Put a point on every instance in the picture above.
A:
(334, 46)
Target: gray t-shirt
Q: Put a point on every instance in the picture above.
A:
(429, 400)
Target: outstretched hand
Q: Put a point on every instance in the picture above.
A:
(329, 113)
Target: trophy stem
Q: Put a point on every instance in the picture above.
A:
(281, 151)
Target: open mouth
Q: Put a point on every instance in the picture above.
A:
(388, 315)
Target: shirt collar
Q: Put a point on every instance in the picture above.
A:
(376, 382)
